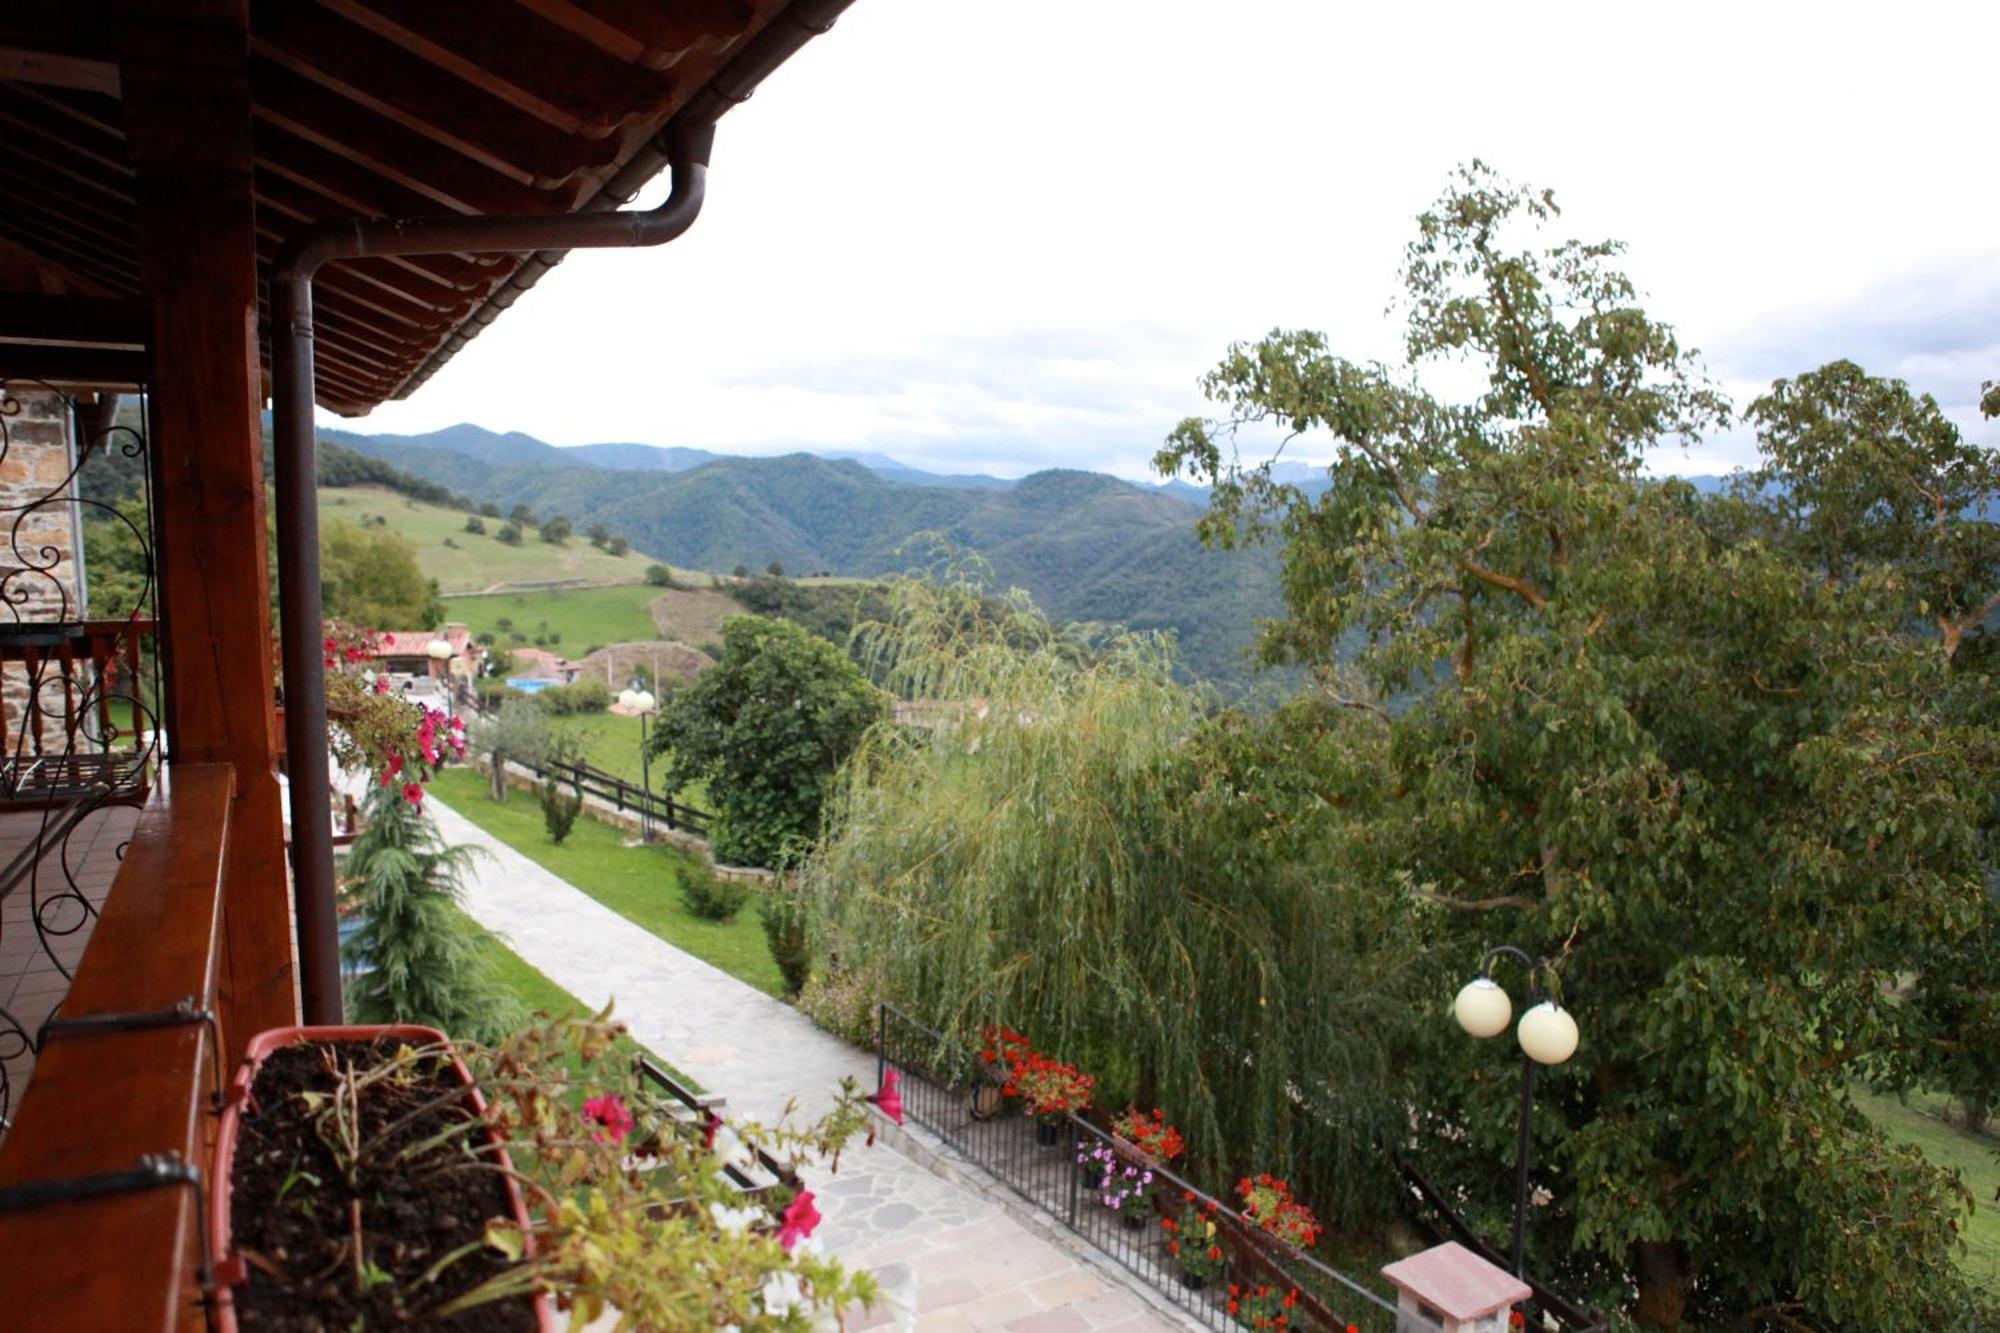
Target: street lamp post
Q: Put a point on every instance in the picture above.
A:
(1548, 1036)
(638, 699)
(440, 651)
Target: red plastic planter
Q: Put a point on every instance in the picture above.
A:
(230, 1271)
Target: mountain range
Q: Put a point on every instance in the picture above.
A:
(1086, 546)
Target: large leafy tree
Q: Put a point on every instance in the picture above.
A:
(370, 577)
(1738, 801)
(767, 727)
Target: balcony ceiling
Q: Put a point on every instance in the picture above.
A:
(367, 108)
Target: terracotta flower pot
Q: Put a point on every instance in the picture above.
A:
(230, 1267)
(987, 1100)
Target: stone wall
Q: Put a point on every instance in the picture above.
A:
(39, 545)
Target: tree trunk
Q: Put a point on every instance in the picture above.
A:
(1662, 1284)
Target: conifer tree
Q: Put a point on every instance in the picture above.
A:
(417, 959)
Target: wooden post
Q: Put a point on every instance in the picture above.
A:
(184, 67)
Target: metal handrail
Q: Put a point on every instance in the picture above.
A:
(938, 1075)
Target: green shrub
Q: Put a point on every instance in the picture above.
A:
(659, 576)
(589, 695)
(784, 920)
(842, 1000)
(710, 896)
(475, 525)
(559, 809)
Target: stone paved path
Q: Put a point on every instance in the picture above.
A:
(969, 1262)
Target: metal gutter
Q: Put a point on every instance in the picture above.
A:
(684, 147)
(791, 29)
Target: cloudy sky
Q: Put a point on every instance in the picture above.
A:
(999, 237)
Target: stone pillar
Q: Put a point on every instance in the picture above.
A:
(41, 542)
(1448, 1287)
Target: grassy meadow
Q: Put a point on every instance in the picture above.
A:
(585, 618)
(473, 561)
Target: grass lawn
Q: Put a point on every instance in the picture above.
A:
(585, 618)
(515, 975)
(473, 561)
(1917, 1123)
(641, 884)
(611, 742)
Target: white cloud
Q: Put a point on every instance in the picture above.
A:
(1003, 238)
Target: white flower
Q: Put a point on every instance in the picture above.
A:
(734, 1221)
(730, 1149)
(783, 1293)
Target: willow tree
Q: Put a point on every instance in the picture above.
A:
(1737, 801)
(1065, 843)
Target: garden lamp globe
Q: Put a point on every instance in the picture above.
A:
(1548, 1034)
(1482, 1007)
(642, 701)
(439, 650)
(628, 699)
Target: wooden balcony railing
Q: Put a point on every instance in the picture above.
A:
(100, 1225)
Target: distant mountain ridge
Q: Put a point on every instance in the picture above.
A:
(516, 447)
(1085, 545)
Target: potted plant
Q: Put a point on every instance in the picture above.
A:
(1195, 1244)
(1119, 1185)
(1268, 1203)
(1148, 1137)
(355, 1176)
(479, 1188)
(1263, 1306)
(1002, 1053)
(1050, 1089)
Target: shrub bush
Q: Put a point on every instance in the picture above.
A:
(784, 920)
(659, 576)
(476, 525)
(584, 696)
(842, 1000)
(559, 809)
(710, 896)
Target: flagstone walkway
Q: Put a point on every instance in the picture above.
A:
(947, 1246)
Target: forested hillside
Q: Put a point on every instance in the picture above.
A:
(1087, 546)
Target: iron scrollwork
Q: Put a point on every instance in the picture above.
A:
(79, 730)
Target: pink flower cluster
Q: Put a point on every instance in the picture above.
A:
(435, 734)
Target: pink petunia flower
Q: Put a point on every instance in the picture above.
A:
(887, 1100)
(608, 1109)
(800, 1219)
(413, 792)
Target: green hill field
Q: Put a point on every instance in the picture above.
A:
(462, 561)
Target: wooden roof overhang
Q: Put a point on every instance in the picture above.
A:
(369, 109)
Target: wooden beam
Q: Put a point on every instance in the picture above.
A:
(58, 71)
(79, 319)
(98, 1100)
(185, 71)
(103, 367)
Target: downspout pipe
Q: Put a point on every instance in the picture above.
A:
(296, 451)
(685, 143)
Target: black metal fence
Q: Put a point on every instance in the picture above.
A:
(949, 1091)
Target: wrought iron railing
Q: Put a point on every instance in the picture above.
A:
(946, 1089)
(79, 730)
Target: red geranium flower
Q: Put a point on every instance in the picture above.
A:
(887, 1100)
(800, 1219)
(608, 1110)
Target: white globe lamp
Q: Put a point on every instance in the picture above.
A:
(440, 650)
(1482, 1007)
(1548, 1033)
